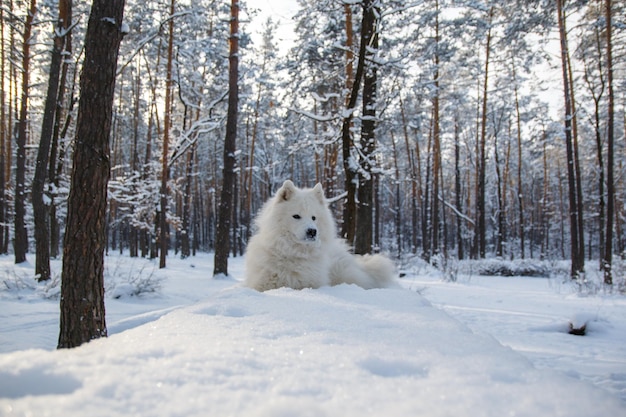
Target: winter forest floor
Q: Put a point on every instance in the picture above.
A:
(181, 343)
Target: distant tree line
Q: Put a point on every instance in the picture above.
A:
(438, 128)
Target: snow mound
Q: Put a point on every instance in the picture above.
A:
(336, 351)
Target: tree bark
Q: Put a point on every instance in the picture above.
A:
(482, 158)
(133, 232)
(545, 224)
(413, 177)
(40, 205)
(398, 209)
(500, 199)
(62, 119)
(348, 228)
(458, 190)
(364, 224)
(21, 235)
(610, 180)
(222, 247)
(350, 163)
(163, 226)
(3, 136)
(597, 97)
(573, 199)
(434, 217)
(82, 289)
(520, 161)
(185, 250)
(427, 224)
(580, 226)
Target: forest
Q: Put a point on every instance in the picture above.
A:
(447, 129)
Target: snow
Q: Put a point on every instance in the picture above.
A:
(281, 12)
(109, 20)
(183, 344)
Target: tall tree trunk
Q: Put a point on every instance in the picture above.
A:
(610, 180)
(21, 235)
(474, 246)
(561, 209)
(149, 237)
(505, 191)
(222, 247)
(133, 233)
(165, 171)
(185, 250)
(520, 161)
(577, 172)
(82, 289)
(499, 196)
(457, 190)
(249, 174)
(482, 158)
(418, 192)
(590, 79)
(398, 208)
(363, 236)
(40, 205)
(196, 225)
(235, 217)
(413, 178)
(11, 124)
(545, 224)
(427, 224)
(62, 120)
(348, 228)
(573, 199)
(435, 221)
(4, 129)
(443, 228)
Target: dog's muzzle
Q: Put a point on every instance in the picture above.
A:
(311, 234)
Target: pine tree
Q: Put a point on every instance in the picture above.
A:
(82, 289)
(41, 207)
(21, 234)
(608, 247)
(222, 248)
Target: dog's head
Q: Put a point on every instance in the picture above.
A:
(303, 213)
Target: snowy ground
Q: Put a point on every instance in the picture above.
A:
(189, 345)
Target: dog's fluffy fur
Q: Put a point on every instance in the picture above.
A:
(296, 246)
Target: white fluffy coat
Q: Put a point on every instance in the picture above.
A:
(296, 246)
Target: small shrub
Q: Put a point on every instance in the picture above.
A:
(125, 280)
(518, 268)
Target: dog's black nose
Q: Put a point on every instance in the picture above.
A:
(311, 233)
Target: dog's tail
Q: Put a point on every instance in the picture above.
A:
(367, 271)
(380, 270)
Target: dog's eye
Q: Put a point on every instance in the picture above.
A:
(313, 218)
(297, 216)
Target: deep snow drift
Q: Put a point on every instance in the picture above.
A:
(199, 346)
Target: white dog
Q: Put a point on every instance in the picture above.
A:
(296, 246)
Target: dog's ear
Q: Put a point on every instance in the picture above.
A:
(286, 191)
(319, 192)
